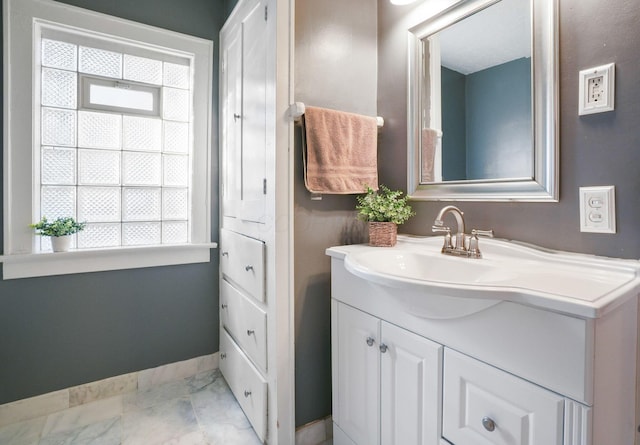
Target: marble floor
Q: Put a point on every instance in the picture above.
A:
(198, 410)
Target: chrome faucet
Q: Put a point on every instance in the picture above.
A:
(461, 248)
(438, 226)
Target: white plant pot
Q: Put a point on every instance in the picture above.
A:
(61, 243)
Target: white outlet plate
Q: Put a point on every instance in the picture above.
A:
(597, 209)
(597, 89)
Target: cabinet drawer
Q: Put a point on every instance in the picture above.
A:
(484, 405)
(242, 262)
(246, 323)
(246, 383)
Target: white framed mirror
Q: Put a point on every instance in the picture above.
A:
(483, 103)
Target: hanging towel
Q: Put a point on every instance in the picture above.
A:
(429, 143)
(340, 152)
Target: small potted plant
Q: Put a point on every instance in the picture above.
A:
(60, 231)
(383, 210)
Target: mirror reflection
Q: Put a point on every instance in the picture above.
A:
(477, 100)
(483, 96)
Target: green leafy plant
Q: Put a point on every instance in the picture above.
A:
(384, 206)
(58, 227)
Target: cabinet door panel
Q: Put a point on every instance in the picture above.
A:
(356, 407)
(410, 384)
(231, 154)
(244, 50)
(254, 114)
(483, 405)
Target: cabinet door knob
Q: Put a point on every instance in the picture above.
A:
(250, 332)
(488, 424)
(223, 356)
(236, 116)
(224, 306)
(370, 341)
(247, 393)
(225, 253)
(248, 268)
(383, 348)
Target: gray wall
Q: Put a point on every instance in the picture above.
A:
(498, 107)
(62, 331)
(335, 67)
(599, 149)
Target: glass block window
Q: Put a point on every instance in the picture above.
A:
(115, 148)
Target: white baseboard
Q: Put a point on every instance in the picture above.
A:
(52, 402)
(315, 433)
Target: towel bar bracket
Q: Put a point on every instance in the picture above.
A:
(297, 109)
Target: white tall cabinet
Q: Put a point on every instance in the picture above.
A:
(256, 347)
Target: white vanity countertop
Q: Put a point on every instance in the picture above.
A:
(581, 285)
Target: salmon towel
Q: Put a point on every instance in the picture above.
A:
(429, 143)
(340, 153)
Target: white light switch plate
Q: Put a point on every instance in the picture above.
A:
(597, 89)
(597, 209)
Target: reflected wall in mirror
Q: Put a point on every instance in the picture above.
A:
(483, 103)
(484, 96)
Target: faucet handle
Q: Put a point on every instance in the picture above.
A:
(474, 250)
(447, 236)
(440, 229)
(477, 232)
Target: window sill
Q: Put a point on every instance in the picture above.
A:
(97, 260)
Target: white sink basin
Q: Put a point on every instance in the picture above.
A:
(443, 286)
(405, 264)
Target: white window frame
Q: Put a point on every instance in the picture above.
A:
(23, 22)
(86, 81)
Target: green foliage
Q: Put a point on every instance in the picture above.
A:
(384, 206)
(59, 227)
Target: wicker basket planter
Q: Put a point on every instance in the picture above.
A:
(383, 234)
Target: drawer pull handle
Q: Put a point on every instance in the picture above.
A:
(248, 268)
(383, 348)
(247, 393)
(225, 253)
(251, 332)
(223, 356)
(224, 306)
(370, 341)
(488, 424)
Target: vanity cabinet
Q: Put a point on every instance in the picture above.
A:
(386, 381)
(389, 390)
(506, 373)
